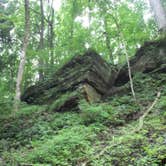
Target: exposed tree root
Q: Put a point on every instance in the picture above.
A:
(141, 119)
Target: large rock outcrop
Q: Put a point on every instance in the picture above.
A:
(92, 78)
(151, 57)
(87, 74)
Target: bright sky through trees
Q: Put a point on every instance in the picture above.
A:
(57, 4)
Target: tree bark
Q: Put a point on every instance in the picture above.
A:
(52, 36)
(23, 54)
(89, 21)
(160, 14)
(41, 44)
(108, 39)
(124, 44)
(72, 15)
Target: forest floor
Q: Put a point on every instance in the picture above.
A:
(101, 134)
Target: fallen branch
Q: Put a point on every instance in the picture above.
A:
(141, 119)
(141, 122)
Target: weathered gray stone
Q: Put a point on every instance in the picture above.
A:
(89, 71)
(93, 79)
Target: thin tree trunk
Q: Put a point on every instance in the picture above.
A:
(72, 12)
(72, 20)
(160, 14)
(127, 57)
(23, 54)
(89, 14)
(89, 21)
(141, 119)
(52, 36)
(41, 44)
(108, 40)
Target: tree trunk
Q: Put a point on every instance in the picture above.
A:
(52, 36)
(89, 22)
(160, 14)
(108, 40)
(41, 44)
(23, 54)
(124, 44)
(72, 15)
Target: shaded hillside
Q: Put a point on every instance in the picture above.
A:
(101, 133)
(36, 135)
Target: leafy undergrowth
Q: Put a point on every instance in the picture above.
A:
(99, 134)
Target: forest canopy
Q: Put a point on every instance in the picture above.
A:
(61, 29)
(82, 82)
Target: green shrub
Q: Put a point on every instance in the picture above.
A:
(70, 146)
(92, 113)
(6, 107)
(61, 100)
(162, 103)
(101, 113)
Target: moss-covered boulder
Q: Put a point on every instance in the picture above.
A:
(87, 75)
(151, 57)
